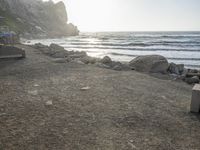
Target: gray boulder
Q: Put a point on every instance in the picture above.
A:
(106, 60)
(88, 60)
(150, 64)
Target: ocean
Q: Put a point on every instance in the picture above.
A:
(177, 47)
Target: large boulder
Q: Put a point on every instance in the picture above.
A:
(150, 64)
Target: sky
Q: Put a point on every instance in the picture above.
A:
(134, 15)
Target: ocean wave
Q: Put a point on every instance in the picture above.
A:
(170, 58)
(138, 49)
(111, 44)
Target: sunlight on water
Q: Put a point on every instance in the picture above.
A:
(178, 47)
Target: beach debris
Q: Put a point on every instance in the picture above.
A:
(49, 103)
(36, 85)
(33, 92)
(85, 88)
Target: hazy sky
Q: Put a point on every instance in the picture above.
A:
(134, 15)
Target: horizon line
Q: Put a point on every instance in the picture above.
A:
(145, 31)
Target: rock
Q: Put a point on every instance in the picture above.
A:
(34, 92)
(106, 60)
(192, 80)
(49, 103)
(39, 46)
(85, 88)
(103, 66)
(117, 66)
(192, 71)
(77, 55)
(150, 64)
(60, 60)
(88, 60)
(61, 54)
(56, 47)
(176, 68)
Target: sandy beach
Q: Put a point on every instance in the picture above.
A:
(73, 106)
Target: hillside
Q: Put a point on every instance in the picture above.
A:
(36, 18)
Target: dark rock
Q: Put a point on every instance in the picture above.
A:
(88, 60)
(117, 66)
(192, 71)
(39, 46)
(150, 64)
(176, 68)
(192, 80)
(77, 55)
(57, 47)
(101, 65)
(106, 60)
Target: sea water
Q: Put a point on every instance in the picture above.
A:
(177, 47)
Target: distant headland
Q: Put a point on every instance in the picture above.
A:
(36, 18)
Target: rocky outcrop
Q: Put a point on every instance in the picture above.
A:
(37, 18)
(153, 64)
(150, 64)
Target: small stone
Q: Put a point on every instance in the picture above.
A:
(36, 85)
(85, 88)
(49, 103)
(34, 92)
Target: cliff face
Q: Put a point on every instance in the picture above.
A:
(34, 17)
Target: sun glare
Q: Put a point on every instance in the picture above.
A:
(133, 15)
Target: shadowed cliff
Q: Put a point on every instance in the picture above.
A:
(36, 18)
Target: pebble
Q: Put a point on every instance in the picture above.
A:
(49, 103)
(85, 88)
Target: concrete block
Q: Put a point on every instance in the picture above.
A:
(195, 103)
(11, 52)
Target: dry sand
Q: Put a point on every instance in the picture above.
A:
(69, 106)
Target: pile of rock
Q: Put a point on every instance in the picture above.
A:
(146, 64)
(191, 76)
(159, 64)
(61, 55)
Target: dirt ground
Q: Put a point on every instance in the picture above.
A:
(119, 110)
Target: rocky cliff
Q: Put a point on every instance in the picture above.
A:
(36, 18)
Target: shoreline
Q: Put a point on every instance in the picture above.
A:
(173, 71)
